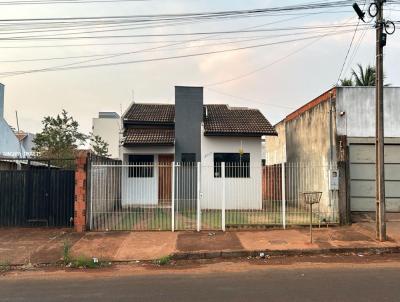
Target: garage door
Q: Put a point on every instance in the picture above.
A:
(362, 177)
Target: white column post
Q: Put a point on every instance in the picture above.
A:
(223, 196)
(198, 197)
(283, 196)
(173, 198)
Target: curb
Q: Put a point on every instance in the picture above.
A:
(296, 252)
(232, 254)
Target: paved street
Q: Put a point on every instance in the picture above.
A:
(313, 283)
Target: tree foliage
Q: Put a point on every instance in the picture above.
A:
(364, 77)
(59, 138)
(346, 82)
(361, 77)
(98, 145)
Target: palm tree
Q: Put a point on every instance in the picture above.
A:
(364, 77)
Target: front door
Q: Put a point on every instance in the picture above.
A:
(165, 179)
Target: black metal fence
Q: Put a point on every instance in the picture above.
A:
(37, 192)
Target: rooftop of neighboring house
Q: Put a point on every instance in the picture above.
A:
(324, 97)
(21, 135)
(154, 123)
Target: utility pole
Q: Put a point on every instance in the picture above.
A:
(379, 143)
(383, 28)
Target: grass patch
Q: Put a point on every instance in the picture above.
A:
(66, 252)
(139, 219)
(5, 266)
(163, 260)
(81, 261)
(85, 262)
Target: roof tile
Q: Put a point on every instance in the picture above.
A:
(149, 136)
(218, 119)
(225, 120)
(151, 113)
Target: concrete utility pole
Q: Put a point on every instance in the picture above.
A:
(379, 143)
(383, 28)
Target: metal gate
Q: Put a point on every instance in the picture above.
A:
(203, 196)
(362, 177)
(37, 192)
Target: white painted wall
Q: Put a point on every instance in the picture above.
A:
(141, 191)
(9, 143)
(109, 130)
(125, 151)
(241, 193)
(358, 105)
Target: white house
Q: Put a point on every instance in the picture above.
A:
(10, 145)
(107, 125)
(200, 139)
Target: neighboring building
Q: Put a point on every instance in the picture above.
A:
(190, 132)
(26, 139)
(9, 144)
(108, 126)
(339, 126)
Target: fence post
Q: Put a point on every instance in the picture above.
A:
(283, 196)
(173, 198)
(223, 196)
(198, 197)
(80, 191)
(90, 172)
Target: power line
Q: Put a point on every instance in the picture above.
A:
(219, 14)
(38, 2)
(355, 51)
(116, 26)
(249, 100)
(265, 66)
(178, 34)
(348, 50)
(240, 40)
(12, 73)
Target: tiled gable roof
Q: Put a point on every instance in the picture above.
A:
(151, 113)
(225, 120)
(152, 124)
(149, 136)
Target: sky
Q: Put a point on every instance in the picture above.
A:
(276, 79)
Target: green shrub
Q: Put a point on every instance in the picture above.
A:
(66, 252)
(84, 262)
(163, 260)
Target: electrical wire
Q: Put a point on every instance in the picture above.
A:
(241, 40)
(53, 2)
(349, 49)
(179, 33)
(13, 73)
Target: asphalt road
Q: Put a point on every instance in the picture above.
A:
(272, 284)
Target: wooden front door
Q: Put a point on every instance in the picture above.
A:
(165, 179)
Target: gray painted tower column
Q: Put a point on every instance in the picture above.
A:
(188, 119)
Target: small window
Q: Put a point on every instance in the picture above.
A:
(236, 165)
(188, 157)
(142, 166)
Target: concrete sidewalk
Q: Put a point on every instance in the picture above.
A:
(22, 246)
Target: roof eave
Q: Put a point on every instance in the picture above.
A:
(147, 144)
(238, 134)
(147, 123)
